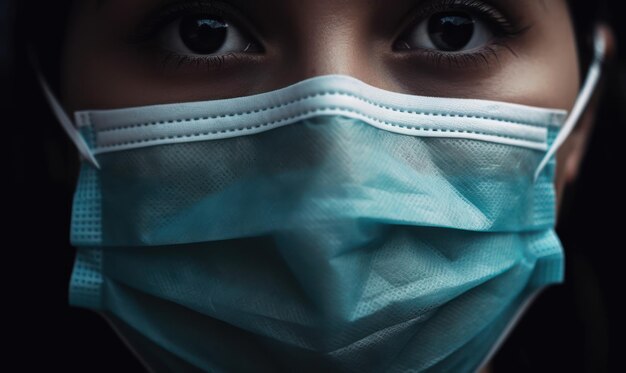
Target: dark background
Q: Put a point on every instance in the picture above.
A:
(574, 327)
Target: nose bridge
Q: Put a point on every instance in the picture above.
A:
(333, 49)
(330, 39)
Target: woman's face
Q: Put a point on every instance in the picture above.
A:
(123, 53)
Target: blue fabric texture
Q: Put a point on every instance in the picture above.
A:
(328, 245)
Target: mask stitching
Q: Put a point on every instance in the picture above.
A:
(330, 93)
(245, 129)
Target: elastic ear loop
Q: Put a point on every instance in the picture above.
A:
(62, 117)
(589, 87)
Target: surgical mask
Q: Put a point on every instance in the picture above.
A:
(328, 225)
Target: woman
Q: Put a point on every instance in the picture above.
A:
(131, 54)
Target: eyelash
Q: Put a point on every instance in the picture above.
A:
(149, 30)
(210, 62)
(503, 28)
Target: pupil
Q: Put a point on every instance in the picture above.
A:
(202, 34)
(451, 31)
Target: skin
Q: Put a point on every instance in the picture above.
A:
(305, 39)
(101, 69)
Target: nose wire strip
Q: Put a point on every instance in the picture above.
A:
(589, 87)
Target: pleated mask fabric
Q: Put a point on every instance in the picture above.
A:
(328, 225)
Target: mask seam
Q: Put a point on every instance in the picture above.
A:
(329, 93)
(319, 110)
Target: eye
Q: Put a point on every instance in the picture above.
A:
(450, 31)
(199, 34)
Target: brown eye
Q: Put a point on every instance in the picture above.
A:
(203, 35)
(200, 34)
(451, 31)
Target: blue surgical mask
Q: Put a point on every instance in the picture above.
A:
(325, 226)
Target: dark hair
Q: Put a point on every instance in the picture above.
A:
(585, 15)
(565, 330)
(43, 26)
